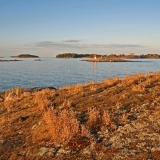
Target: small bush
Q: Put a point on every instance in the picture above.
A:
(106, 118)
(62, 125)
(93, 118)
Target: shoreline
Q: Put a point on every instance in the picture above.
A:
(36, 89)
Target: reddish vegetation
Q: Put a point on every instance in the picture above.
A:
(113, 119)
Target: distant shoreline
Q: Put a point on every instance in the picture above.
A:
(15, 60)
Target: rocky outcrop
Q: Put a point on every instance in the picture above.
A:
(106, 60)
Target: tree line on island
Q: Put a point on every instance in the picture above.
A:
(25, 56)
(73, 55)
(129, 56)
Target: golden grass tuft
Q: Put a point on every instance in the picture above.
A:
(62, 125)
(65, 128)
(11, 96)
(18, 91)
(93, 117)
(112, 81)
(96, 119)
(106, 120)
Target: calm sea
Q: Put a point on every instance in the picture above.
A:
(60, 72)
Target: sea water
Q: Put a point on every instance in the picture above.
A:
(60, 72)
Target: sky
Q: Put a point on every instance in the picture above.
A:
(50, 27)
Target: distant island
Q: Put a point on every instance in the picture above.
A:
(129, 56)
(25, 56)
(74, 55)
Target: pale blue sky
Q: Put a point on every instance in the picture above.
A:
(50, 27)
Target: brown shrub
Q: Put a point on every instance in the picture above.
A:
(65, 129)
(93, 117)
(96, 119)
(62, 125)
(156, 154)
(78, 143)
(106, 118)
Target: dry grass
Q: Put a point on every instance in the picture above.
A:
(9, 103)
(66, 104)
(132, 79)
(138, 88)
(63, 125)
(97, 120)
(72, 90)
(2, 120)
(106, 120)
(12, 96)
(43, 99)
(18, 91)
(93, 117)
(112, 81)
(93, 87)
